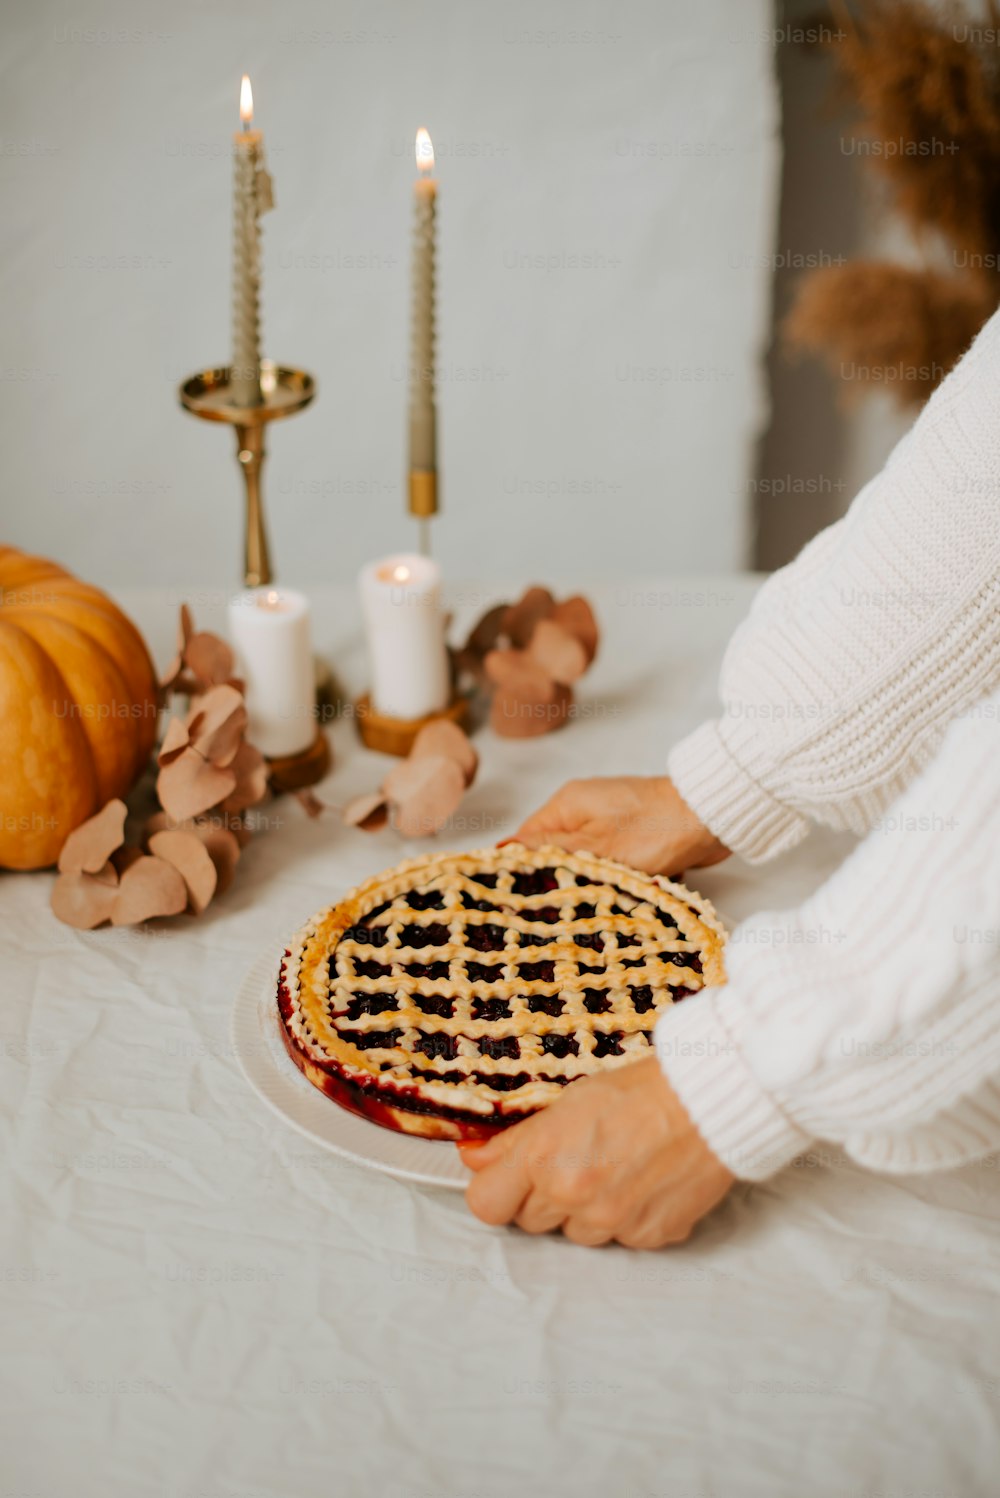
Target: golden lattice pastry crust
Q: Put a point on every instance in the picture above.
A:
(460, 992)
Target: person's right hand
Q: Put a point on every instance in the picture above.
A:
(639, 820)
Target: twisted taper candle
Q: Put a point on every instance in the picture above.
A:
(252, 196)
(422, 410)
(246, 271)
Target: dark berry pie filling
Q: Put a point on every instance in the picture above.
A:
(460, 993)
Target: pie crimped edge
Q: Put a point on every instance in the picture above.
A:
(412, 1100)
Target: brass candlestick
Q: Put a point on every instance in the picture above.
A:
(424, 504)
(284, 392)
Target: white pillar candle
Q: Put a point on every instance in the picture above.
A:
(401, 600)
(269, 630)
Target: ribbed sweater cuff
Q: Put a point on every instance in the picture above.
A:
(734, 1115)
(729, 801)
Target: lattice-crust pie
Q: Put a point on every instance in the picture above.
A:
(458, 993)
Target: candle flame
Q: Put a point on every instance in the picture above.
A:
(273, 599)
(425, 151)
(400, 573)
(246, 102)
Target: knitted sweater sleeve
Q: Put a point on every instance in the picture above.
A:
(839, 686)
(870, 1016)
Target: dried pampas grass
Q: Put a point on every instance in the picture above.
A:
(926, 83)
(880, 325)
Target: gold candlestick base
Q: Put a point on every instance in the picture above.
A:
(423, 492)
(284, 392)
(423, 504)
(396, 735)
(294, 772)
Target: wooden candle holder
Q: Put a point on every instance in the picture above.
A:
(294, 772)
(396, 735)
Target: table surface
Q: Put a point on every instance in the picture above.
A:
(201, 1304)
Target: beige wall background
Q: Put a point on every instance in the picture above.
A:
(601, 363)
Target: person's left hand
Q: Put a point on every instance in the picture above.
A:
(616, 1157)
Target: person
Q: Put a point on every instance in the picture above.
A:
(863, 693)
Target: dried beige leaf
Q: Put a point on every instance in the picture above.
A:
(191, 785)
(226, 821)
(124, 858)
(186, 852)
(560, 654)
(175, 741)
(485, 633)
(240, 828)
(212, 708)
(423, 794)
(464, 663)
(515, 671)
(223, 836)
(90, 845)
(217, 722)
(443, 737)
(157, 822)
(185, 629)
(209, 658)
(223, 849)
(222, 746)
(370, 812)
(515, 717)
(149, 888)
(250, 772)
(168, 680)
(310, 803)
(576, 615)
(83, 900)
(520, 618)
(187, 685)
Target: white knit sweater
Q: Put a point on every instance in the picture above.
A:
(862, 692)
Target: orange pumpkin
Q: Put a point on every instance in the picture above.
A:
(78, 706)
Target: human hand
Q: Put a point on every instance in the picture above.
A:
(615, 1158)
(639, 820)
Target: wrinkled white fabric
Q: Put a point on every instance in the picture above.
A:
(198, 1303)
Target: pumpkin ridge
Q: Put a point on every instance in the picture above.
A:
(103, 622)
(16, 569)
(79, 702)
(97, 692)
(47, 777)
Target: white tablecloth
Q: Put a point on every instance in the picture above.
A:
(199, 1304)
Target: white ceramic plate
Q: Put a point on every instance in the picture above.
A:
(278, 1082)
